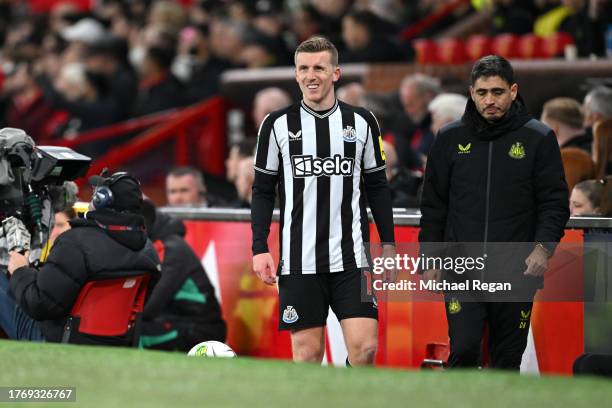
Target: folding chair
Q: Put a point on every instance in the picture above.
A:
(108, 308)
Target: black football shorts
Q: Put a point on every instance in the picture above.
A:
(304, 300)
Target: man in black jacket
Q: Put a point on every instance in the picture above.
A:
(494, 177)
(110, 242)
(182, 310)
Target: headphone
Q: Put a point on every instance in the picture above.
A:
(103, 195)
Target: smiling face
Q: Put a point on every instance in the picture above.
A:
(493, 96)
(315, 74)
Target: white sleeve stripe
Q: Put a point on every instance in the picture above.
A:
(266, 171)
(374, 169)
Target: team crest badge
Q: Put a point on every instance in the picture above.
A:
(349, 134)
(454, 306)
(290, 315)
(517, 151)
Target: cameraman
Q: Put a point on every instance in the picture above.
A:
(110, 242)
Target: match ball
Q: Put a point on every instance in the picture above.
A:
(211, 349)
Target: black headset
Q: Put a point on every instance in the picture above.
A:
(103, 195)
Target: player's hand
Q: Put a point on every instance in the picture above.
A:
(263, 266)
(390, 275)
(16, 261)
(434, 275)
(537, 262)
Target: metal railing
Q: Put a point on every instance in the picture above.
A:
(401, 216)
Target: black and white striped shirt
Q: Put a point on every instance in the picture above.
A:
(318, 159)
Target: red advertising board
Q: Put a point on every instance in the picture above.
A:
(250, 307)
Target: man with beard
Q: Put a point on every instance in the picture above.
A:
(495, 176)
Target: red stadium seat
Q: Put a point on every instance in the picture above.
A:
(577, 166)
(108, 308)
(451, 51)
(554, 46)
(531, 46)
(478, 46)
(426, 51)
(505, 45)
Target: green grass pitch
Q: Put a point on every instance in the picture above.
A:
(112, 377)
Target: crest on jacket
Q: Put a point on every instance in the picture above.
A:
(517, 151)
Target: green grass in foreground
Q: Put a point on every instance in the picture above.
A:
(106, 377)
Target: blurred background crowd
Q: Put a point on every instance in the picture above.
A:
(69, 67)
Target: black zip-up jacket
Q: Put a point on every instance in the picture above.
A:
(85, 252)
(180, 263)
(495, 182)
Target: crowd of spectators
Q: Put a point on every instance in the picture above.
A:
(71, 70)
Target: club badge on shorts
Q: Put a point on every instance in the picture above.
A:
(290, 315)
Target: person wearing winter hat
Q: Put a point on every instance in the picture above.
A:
(110, 242)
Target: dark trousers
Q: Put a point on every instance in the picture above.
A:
(508, 324)
(16, 323)
(172, 335)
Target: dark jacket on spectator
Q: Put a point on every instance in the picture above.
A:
(83, 253)
(183, 303)
(165, 93)
(583, 141)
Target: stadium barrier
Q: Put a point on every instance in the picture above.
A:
(222, 240)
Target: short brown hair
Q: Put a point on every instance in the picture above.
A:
(318, 43)
(564, 110)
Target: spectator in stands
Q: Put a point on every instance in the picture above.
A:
(416, 92)
(365, 42)
(353, 94)
(108, 60)
(258, 52)
(23, 104)
(586, 198)
(597, 106)
(238, 151)
(513, 16)
(84, 95)
(35, 303)
(167, 13)
(331, 12)
(196, 65)
(268, 100)
(182, 310)
(185, 187)
(404, 185)
(159, 88)
(227, 39)
(244, 182)
(586, 21)
(564, 116)
(85, 32)
(446, 108)
(305, 22)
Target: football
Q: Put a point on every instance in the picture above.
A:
(211, 349)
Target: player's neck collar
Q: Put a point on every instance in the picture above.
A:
(319, 114)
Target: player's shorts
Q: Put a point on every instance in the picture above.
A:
(304, 300)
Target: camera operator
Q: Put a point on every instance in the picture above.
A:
(110, 242)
